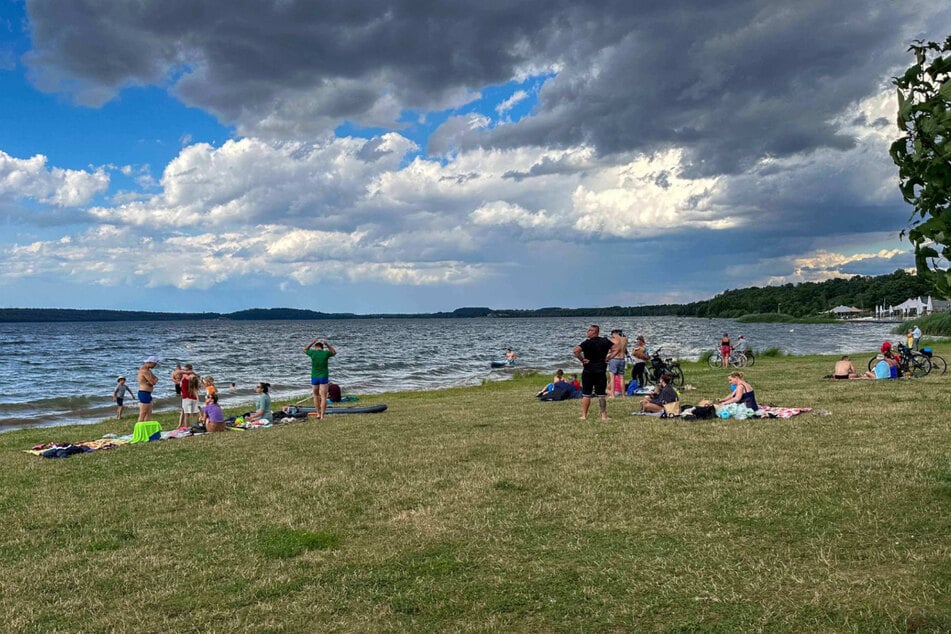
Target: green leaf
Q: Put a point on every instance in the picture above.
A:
(944, 91)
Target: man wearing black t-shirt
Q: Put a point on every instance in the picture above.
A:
(593, 352)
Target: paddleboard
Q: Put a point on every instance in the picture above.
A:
(502, 364)
(293, 410)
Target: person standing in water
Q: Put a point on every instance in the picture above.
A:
(320, 351)
(118, 395)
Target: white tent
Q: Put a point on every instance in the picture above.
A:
(912, 305)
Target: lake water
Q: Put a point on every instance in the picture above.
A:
(64, 373)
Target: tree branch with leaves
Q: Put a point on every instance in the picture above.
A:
(923, 157)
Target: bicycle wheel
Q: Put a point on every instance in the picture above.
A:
(872, 363)
(738, 360)
(678, 375)
(750, 359)
(938, 364)
(715, 361)
(919, 365)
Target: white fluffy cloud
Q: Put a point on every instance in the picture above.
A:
(109, 255)
(31, 178)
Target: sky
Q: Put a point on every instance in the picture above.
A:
(414, 156)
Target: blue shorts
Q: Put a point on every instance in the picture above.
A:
(324, 381)
(145, 397)
(616, 366)
(119, 402)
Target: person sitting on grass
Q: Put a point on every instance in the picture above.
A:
(559, 378)
(212, 417)
(844, 369)
(882, 369)
(661, 395)
(894, 369)
(742, 394)
(263, 411)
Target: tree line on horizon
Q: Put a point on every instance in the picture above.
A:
(799, 300)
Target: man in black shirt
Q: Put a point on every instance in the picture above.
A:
(593, 352)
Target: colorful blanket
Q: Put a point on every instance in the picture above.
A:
(65, 450)
(781, 412)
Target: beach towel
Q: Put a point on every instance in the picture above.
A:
(781, 412)
(146, 431)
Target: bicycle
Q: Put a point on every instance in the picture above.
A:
(910, 363)
(937, 361)
(750, 357)
(737, 359)
(660, 365)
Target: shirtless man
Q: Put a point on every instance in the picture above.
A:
(617, 359)
(844, 369)
(147, 380)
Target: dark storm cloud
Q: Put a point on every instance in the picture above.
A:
(729, 80)
(732, 82)
(546, 167)
(249, 56)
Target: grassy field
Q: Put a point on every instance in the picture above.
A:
(482, 509)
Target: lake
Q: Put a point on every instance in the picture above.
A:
(64, 373)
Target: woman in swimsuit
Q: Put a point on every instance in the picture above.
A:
(743, 393)
(725, 347)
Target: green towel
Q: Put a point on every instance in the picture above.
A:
(145, 430)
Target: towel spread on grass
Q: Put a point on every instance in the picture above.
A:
(142, 433)
(783, 412)
(65, 450)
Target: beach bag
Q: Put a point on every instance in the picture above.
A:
(632, 387)
(333, 393)
(672, 409)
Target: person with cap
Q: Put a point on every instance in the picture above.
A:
(146, 380)
(916, 335)
(118, 394)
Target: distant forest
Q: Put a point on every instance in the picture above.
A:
(799, 300)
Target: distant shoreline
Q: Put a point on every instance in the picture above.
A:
(66, 315)
(805, 302)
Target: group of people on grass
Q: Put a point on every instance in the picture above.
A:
(887, 365)
(601, 356)
(188, 385)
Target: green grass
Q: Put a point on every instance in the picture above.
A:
(482, 509)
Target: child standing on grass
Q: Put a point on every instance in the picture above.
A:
(118, 395)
